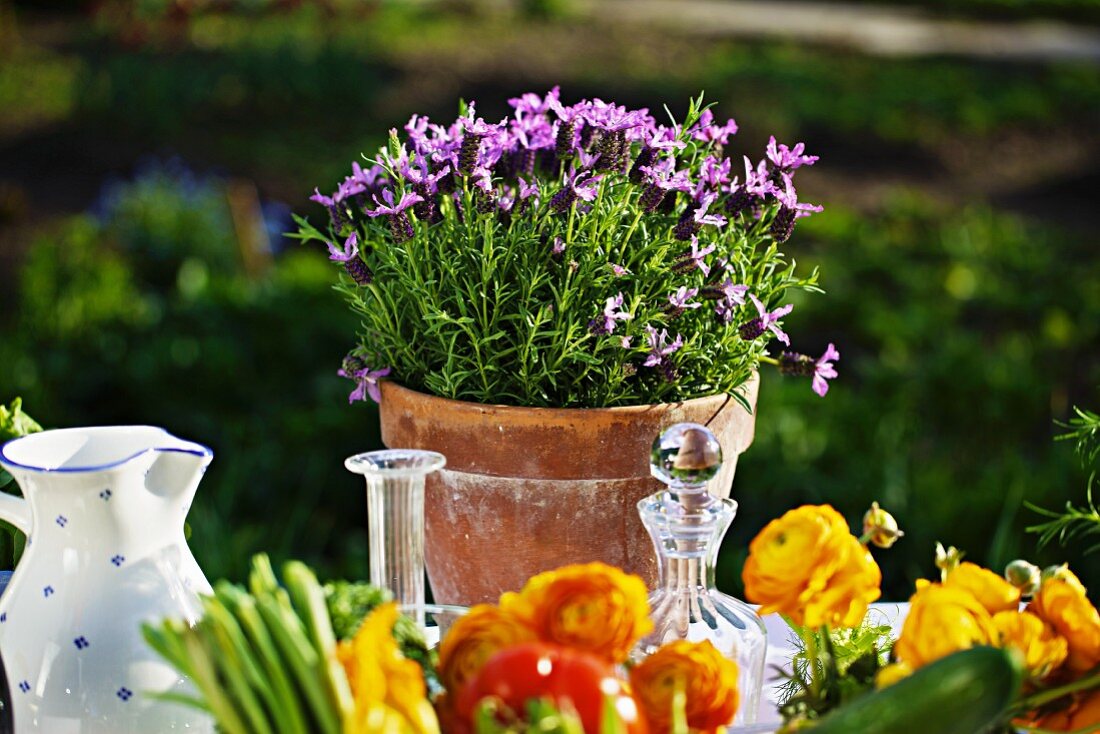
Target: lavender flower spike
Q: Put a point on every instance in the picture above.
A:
(790, 209)
(681, 299)
(787, 159)
(351, 249)
(767, 321)
(694, 259)
(366, 383)
(612, 312)
(821, 369)
(353, 265)
(824, 370)
(400, 225)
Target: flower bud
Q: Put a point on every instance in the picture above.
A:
(1061, 573)
(880, 527)
(1024, 576)
(947, 559)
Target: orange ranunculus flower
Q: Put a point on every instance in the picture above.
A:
(473, 639)
(1061, 602)
(1044, 650)
(942, 620)
(592, 607)
(992, 591)
(708, 680)
(1079, 716)
(388, 688)
(808, 566)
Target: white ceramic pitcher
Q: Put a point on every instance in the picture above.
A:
(104, 516)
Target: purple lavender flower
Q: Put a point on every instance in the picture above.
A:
(790, 209)
(484, 195)
(653, 143)
(706, 131)
(824, 370)
(661, 178)
(767, 321)
(353, 265)
(612, 312)
(787, 159)
(821, 369)
(351, 249)
(612, 121)
(530, 103)
(694, 259)
(626, 341)
(569, 118)
(714, 172)
(558, 249)
(321, 198)
(366, 382)
(524, 194)
(576, 187)
(691, 221)
(426, 186)
(659, 351)
(750, 195)
(728, 295)
(400, 225)
(618, 270)
(680, 301)
(474, 131)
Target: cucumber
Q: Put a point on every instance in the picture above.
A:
(963, 693)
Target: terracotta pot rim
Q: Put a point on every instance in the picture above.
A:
(620, 410)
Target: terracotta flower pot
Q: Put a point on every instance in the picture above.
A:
(530, 489)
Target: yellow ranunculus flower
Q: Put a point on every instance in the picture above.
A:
(1061, 602)
(389, 690)
(1044, 650)
(473, 639)
(942, 620)
(891, 674)
(808, 566)
(708, 680)
(992, 591)
(592, 607)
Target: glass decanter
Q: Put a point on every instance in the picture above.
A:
(687, 524)
(395, 510)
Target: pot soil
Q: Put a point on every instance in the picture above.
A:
(526, 490)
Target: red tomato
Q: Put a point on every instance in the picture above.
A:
(538, 670)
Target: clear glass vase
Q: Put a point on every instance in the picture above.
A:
(395, 511)
(687, 525)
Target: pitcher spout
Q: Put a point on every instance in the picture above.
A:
(177, 468)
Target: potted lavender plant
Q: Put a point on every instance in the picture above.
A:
(544, 295)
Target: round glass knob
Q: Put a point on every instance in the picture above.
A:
(686, 455)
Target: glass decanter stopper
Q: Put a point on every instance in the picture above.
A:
(687, 524)
(395, 511)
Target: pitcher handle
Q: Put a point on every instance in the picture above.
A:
(17, 511)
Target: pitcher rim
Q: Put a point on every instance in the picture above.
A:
(202, 451)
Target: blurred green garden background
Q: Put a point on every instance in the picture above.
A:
(151, 154)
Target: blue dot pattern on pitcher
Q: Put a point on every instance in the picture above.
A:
(105, 495)
(24, 686)
(62, 521)
(48, 591)
(81, 642)
(118, 560)
(124, 693)
(3, 617)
